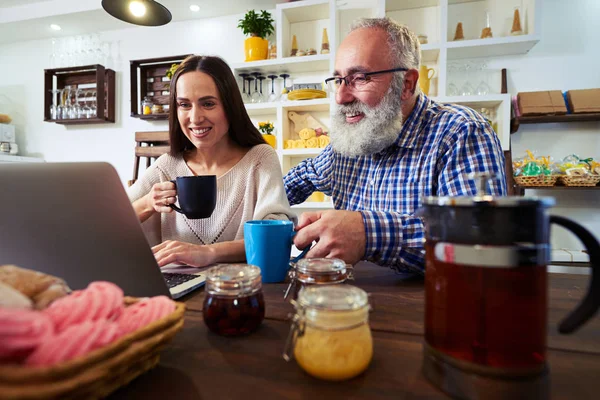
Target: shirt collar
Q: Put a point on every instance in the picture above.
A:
(412, 126)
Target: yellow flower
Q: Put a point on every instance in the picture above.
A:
(266, 127)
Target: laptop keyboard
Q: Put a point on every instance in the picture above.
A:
(174, 279)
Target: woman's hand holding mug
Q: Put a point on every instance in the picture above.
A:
(161, 196)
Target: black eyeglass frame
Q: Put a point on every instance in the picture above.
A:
(366, 74)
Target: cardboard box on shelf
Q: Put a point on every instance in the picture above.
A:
(541, 103)
(584, 100)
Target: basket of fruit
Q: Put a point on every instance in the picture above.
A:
(539, 180)
(580, 180)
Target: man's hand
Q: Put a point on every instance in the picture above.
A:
(339, 234)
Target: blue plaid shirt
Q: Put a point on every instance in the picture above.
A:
(438, 146)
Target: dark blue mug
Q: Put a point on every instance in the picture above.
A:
(197, 195)
(268, 245)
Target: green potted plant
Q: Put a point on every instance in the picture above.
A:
(258, 26)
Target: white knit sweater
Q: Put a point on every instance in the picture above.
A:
(251, 190)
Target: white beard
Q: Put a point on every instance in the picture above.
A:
(378, 129)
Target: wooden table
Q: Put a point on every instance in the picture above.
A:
(201, 365)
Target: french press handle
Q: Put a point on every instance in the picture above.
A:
(590, 304)
(481, 182)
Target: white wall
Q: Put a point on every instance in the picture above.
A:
(565, 58)
(22, 80)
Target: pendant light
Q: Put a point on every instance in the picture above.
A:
(138, 12)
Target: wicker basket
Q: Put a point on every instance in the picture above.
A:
(587, 180)
(540, 180)
(100, 372)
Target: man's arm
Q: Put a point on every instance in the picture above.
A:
(397, 240)
(309, 176)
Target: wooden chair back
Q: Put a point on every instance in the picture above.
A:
(149, 145)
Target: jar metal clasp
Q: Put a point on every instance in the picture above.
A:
(296, 331)
(349, 272)
(293, 281)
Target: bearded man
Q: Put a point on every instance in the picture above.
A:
(390, 146)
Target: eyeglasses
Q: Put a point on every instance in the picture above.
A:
(356, 80)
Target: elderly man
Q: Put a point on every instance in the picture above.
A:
(390, 146)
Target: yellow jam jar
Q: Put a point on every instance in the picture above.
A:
(330, 336)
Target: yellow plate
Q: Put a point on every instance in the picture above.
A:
(306, 94)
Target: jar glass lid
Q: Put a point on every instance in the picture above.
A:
(233, 279)
(333, 297)
(321, 266)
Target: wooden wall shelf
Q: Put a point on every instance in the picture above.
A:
(546, 119)
(147, 81)
(560, 187)
(85, 77)
(152, 117)
(80, 121)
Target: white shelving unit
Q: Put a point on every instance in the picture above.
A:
(7, 158)
(435, 18)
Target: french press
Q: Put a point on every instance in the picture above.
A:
(486, 294)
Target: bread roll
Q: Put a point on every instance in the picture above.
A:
(41, 288)
(12, 298)
(307, 133)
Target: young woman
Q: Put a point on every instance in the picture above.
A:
(210, 133)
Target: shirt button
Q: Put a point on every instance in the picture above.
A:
(372, 182)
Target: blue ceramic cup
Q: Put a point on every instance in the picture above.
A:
(268, 246)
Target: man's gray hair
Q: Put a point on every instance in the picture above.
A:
(405, 50)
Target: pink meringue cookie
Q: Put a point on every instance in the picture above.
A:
(21, 332)
(144, 312)
(100, 300)
(75, 341)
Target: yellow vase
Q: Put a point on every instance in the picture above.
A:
(270, 139)
(425, 75)
(256, 48)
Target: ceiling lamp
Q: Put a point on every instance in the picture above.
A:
(138, 12)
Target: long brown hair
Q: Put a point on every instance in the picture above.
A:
(241, 129)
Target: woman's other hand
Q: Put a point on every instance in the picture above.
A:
(172, 251)
(160, 196)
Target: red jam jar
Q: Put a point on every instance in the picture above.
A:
(234, 304)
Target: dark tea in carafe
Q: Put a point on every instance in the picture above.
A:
(493, 317)
(486, 294)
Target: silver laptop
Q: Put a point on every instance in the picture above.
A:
(75, 221)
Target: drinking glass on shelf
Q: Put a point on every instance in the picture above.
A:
(284, 96)
(54, 107)
(467, 89)
(73, 107)
(272, 96)
(93, 109)
(453, 70)
(483, 88)
(245, 96)
(262, 97)
(86, 109)
(255, 97)
(77, 112)
(66, 114)
(452, 90)
(61, 106)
